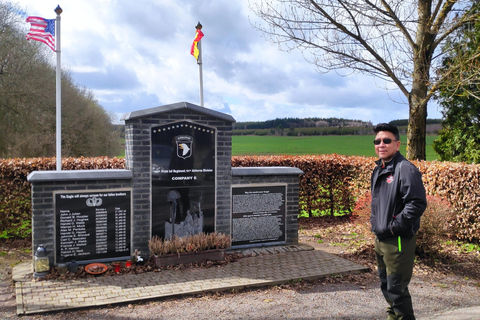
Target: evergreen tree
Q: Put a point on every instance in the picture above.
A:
(459, 139)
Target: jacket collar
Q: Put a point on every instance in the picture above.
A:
(390, 164)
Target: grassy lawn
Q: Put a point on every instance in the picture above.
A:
(344, 145)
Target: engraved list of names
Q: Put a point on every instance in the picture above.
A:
(92, 225)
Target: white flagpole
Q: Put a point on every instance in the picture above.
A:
(58, 11)
(200, 71)
(199, 61)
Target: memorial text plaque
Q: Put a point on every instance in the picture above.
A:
(258, 215)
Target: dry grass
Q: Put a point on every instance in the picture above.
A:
(194, 243)
(353, 240)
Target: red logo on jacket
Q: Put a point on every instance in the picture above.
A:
(390, 179)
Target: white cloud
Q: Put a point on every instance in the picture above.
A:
(136, 54)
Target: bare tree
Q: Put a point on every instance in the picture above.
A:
(398, 41)
(27, 100)
(24, 83)
(87, 127)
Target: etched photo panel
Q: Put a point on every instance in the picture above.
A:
(183, 179)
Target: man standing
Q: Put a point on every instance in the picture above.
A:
(398, 202)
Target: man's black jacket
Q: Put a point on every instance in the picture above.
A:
(398, 198)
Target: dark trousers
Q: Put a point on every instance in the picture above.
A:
(395, 257)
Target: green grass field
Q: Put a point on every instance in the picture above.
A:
(344, 145)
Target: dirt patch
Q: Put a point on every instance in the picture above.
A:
(13, 252)
(354, 242)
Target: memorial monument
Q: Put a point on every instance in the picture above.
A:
(178, 180)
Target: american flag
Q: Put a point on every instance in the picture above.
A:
(42, 30)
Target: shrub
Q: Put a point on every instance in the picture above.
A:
(437, 225)
(361, 211)
(330, 184)
(15, 199)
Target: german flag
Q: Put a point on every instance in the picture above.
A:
(194, 50)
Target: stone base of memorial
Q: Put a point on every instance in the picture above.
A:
(189, 257)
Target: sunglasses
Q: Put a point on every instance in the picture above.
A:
(386, 141)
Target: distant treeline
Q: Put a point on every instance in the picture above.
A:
(287, 123)
(318, 127)
(319, 131)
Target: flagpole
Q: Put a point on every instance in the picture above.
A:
(200, 71)
(58, 11)
(200, 68)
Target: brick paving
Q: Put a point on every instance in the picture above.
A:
(268, 267)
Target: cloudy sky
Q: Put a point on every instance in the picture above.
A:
(135, 55)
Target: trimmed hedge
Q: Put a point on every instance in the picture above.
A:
(329, 181)
(15, 197)
(330, 184)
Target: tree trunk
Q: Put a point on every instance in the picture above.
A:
(417, 118)
(417, 122)
(417, 100)
(416, 134)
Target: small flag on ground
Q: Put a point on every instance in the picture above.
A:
(42, 30)
(194, 50)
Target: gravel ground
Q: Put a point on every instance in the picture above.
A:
(347, 297)
(330, 298)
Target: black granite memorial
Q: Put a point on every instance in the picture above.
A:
(178, 180)
(258, 215)
(92, 225)
(183, 179)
